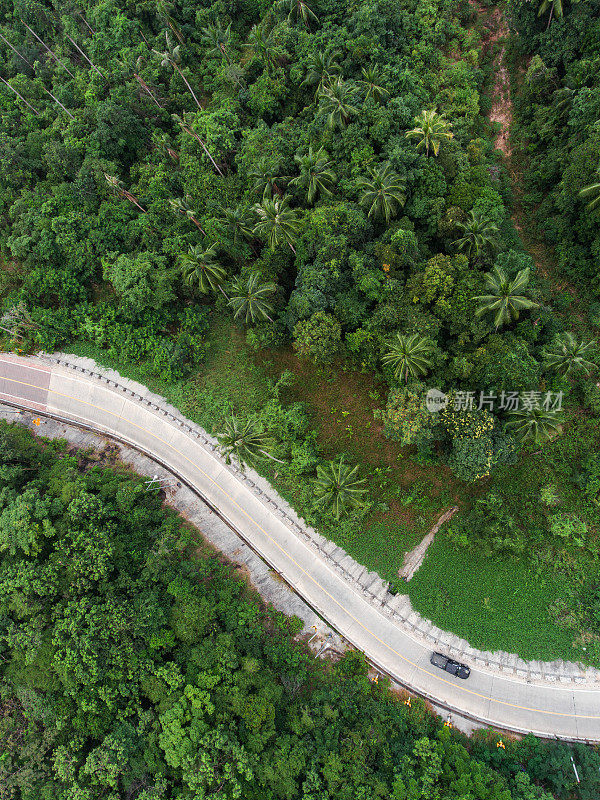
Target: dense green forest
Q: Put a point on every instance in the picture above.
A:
(291, 219)
(321, 172)
(558, 113)
(137, 665)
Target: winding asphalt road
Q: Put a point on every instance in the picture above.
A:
(568, 710)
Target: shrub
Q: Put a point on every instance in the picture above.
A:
(319, 337)
(406, 418)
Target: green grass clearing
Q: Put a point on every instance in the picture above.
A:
(495, 604)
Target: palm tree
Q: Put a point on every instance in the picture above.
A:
(163, 10)
(337, 102)
(383, 192)
(410, 355)
(248, 298)
(245, 440)
(477, 235)
(338, 488)
(119, 187)
(171, 58)
(236, 223)
(431, 128)
(555, 7)
(504, 298)
(262, 46)
(265, 177)
(216, 39)
(179, 206)
(234, 73)
(297, 10)
(592, 191)
(562, 100)
(371, 83)
(534, 424)
(316, 175)
(276, 223)
(202, 267)
(322, 68)
(566, 355)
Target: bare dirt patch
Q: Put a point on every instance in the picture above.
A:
(415, 557)
(502, 110)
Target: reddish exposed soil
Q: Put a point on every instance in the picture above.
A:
(501, 103)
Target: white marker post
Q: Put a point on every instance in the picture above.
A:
(575, 770)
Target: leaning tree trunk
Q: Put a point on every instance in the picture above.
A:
(197, 224)
(14, 49)
(146, 88)
(52, 53)
(204, 147)
(133, 199)
(185, 80)
(56, 100)
(6, 83)
(91, 30)
(90, 62)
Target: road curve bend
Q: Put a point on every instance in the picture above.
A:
(115, 406)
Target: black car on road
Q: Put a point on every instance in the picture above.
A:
(451, 666)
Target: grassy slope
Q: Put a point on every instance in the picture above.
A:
(341, 403)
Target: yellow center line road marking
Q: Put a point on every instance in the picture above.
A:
(307, 574)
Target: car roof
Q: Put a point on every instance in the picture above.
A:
(437, 658)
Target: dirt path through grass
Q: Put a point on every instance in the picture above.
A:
(414, 559)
